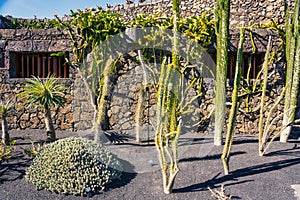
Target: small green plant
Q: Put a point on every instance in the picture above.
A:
(6, 150)
(73, 166)
(33, 150)
(46, 93)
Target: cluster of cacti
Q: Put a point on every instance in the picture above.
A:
(34, 149)
(73, 166)
(168, 127)
(168, 120)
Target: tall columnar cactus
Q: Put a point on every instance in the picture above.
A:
(261, 140)
(292, 68)
(141, 99)
(234, 107)
(168, 120)
(168, 127)
(222, 32)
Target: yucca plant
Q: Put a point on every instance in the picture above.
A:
(6, 108)
(47, 93)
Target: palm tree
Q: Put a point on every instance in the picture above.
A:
(47, 93)
(5, 109)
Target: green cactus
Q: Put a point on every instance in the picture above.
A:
(234, 107)
(222, 31)
(261, 137)
(292, 69)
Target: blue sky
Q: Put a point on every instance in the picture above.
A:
(46, 8)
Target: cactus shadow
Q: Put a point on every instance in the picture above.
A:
(239, 173)
(209, 157)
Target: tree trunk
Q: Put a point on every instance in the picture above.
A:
(141, 99)
(5, 135)
(139, 114)
(101, 121)
(49, 126)
(222, 31)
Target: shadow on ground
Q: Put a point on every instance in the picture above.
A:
(236, 174)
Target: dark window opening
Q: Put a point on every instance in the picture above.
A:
(252, 62)
(40, 65)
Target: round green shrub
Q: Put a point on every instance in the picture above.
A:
(73, 166)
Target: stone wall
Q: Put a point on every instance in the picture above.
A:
(244, 12)
(33, 40)
(24, 117)
(127, 84)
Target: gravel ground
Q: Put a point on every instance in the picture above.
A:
(251, 177)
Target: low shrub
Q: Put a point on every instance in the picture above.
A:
(73, 166)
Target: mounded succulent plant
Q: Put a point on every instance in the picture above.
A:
(73, 166)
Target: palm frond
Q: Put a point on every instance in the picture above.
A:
(47, 92)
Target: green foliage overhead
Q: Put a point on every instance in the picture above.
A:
(93, 26)
(47, 92)
(200, 27)
(73, 166)
(96, 25)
